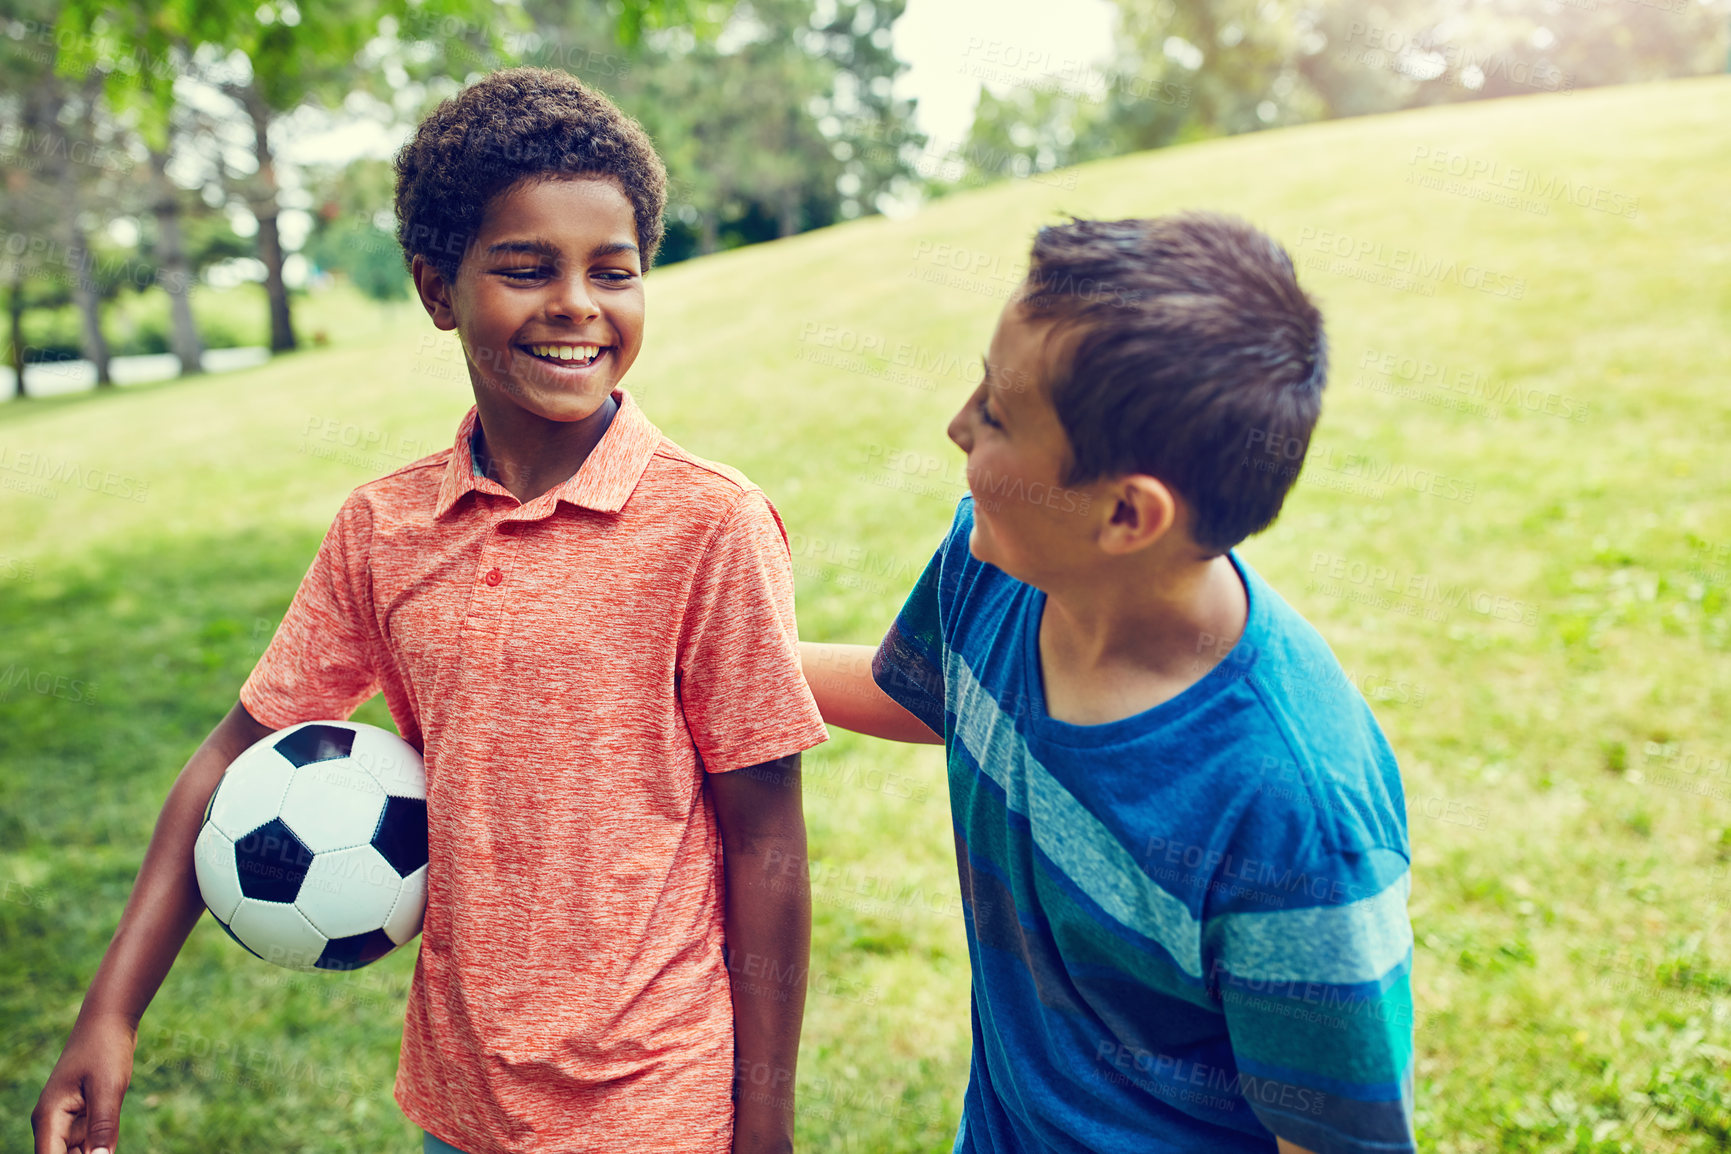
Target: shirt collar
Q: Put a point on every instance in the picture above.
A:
(605, 480)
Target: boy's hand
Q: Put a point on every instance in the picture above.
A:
(79, 1110)
(840, 677)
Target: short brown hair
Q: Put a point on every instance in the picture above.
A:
(515, 124)
(1195, 353)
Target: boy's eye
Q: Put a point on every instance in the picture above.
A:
(986, 414)
(523, 273)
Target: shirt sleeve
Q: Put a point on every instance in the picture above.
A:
(909, 663)
(740, 686)
(1314, 974)
(323, 661)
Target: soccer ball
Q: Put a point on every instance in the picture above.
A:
(313, 853)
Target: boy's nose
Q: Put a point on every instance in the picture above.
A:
(959, 430)
(571, 300)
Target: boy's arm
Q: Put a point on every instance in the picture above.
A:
(80, 1106)
(1288, 1148)
(840, 677)
(768, 929)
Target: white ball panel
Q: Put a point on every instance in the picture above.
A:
(213, 862)
(411, 908)
(277, 933)
(333, 805)
(392, 761)
(349, 891)
(251, 792)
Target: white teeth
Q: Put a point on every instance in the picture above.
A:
(567, 352)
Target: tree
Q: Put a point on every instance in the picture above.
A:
(1189, 69)
(1181, 71)
(283, 53)
(1409, 53)
(1028, 131)
(27, 209)
(68, 181)
(170, 252)
(348, 235)
(723, 103)
(307, 49)
(290, 52)
(135, 58)
(67, 152)
(870, 129)
(758, 152)
(1231, 60)
(775, 120)
(70, 167)
(268, 59)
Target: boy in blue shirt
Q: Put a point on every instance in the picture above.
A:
(1180, 833)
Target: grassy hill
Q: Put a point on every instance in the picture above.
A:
(1514, 529)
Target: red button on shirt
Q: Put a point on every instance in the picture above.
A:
(495, 577)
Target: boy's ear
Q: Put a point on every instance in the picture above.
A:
(1144, 510)
(435, 293)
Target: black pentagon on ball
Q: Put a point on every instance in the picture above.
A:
(271, 862)
(353, 952)
(312, 743)
(401, 835)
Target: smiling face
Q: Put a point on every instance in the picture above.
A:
(548, 300)
(1026, 521)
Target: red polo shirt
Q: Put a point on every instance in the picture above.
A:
(570, 668)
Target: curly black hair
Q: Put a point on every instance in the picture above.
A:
(515, 124)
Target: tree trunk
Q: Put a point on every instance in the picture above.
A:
(787, 223)
(263, 203)
(84, 291)
(176, 276)
(282, 333)
(15, 308)
(708, 234)
(78, 259)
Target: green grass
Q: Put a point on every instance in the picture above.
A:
(1549, 657)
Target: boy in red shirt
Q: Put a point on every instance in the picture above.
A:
(584, 629)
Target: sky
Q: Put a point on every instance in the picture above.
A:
(953, 46)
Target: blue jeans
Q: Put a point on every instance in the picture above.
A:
(431, 1145)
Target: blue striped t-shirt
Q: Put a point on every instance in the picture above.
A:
(1188, 927)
